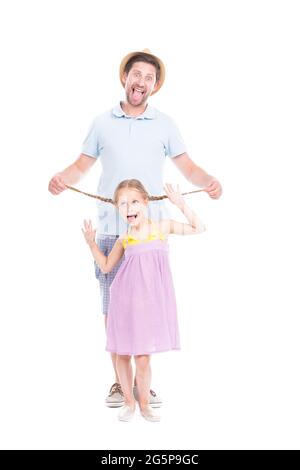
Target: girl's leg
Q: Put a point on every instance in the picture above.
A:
(113, 357)
(124, 369)
(155, 401)
(143, 380)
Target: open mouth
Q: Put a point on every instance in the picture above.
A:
(137, 92)
(131, 217)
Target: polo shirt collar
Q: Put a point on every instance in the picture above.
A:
(149, 112)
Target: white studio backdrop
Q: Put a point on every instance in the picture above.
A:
(232, 86)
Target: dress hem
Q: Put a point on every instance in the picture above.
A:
(141, 353)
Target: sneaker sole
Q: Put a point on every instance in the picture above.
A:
(126, 420)
(118, 405)
(115, 405)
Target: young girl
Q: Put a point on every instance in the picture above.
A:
(142, 315)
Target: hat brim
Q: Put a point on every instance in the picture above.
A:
(161, 80)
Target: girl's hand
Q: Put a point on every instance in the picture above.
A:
(174, 195)
(89, 232)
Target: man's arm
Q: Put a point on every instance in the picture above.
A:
(197, 176)
(72, 174)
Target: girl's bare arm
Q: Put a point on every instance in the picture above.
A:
(105, 263)
(194, 226)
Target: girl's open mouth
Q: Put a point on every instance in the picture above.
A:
(131, 217)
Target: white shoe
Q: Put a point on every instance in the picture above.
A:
(148, 414)
(154, 400)
(126, 413)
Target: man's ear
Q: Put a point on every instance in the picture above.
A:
(124, 78)
(157, 83)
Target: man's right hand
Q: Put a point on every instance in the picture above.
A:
(56, 184)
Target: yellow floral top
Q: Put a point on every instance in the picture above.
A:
(154, 235)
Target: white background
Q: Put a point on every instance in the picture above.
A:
(232, 86)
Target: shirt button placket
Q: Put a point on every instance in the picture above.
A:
(131, 123)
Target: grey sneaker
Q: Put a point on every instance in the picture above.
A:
(154, 400)
(115, 397)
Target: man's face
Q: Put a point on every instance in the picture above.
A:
(139, 83)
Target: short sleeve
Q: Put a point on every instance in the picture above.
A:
(175, 144)
(91, 145)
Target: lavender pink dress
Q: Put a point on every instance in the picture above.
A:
(142, 313)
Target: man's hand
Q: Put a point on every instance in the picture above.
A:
(57, 185)
(89, 233)
(213, 189)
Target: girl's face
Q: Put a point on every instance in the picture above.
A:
(132, 206)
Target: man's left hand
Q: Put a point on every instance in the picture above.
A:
(214, 189)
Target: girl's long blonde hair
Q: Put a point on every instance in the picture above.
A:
(130, 184)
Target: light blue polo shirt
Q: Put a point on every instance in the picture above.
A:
(131, 147)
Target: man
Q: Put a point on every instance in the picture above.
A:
(132, 141)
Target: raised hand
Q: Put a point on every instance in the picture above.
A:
(174, 195)
(89, 233)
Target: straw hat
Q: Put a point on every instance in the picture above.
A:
(147, 52)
